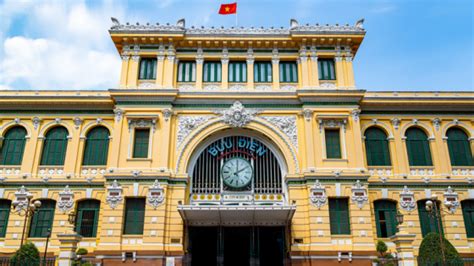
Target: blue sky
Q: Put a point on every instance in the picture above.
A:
(410, 44)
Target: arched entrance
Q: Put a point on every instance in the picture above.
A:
(237, 211)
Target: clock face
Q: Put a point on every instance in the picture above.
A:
(237, 172)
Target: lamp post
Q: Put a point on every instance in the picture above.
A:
(48, 235)
(71, 218)
(27, 210)
(399, 218)
(434, 212)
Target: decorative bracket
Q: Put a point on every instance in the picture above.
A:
(114, 194)
(359, 194)
(21, 198)
(451, 199)
(318, 195)
(156, 194)
(66, 200)
(407, 200)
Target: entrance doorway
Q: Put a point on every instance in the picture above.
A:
(237, 246)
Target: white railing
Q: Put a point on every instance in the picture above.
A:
(51, 170)
(10, 170)
(381, 171)
(422, 171)
(462, 171)
(93, 170)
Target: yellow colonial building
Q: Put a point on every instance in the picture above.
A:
(235, 146)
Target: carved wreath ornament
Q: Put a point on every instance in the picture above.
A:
(237, 115)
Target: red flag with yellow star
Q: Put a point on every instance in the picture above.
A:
(227, 9)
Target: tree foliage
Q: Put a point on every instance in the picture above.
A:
(430, 251)
(26, 255)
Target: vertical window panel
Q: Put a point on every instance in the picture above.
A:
(333, 143)
(339, 216)
(87, 217)
(147, 68)
(418, 148)
(212, 72)
(468, 214)
(376, 146)
(141, 142)
(237, 72)
(54, 148)
(428, 222)
(263, 72)
(42, 220)
(134, 216)
(4, 215)
(187, 71)
(459, 148)
(288, 72)
(13, 146)
(385, 217)
(326, 69)
(96, 147)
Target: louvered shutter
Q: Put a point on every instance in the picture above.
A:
(55, 145)
(333, 143)
(13, 146)
(96, 147)
(459, 148)
(141, 142)
(134, 216)
(468, 214)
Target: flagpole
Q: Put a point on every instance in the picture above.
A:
(236, 19)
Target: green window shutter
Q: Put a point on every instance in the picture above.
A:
(42, 220)
(212, 72)
(459, 148)
(97, 147)
(141, 142)
(468, 214)
(326, 69)
(147, 68)
(385, 217)
(4, 215)
(134, 216)
(376, 146)
(187, 71)
(288, 72)
(418, 148)
(333, 143)
(237, 72)
(339, 217)
(13, 146)
(428, 223)
(263, 72)
(87, 217)
(55, 145)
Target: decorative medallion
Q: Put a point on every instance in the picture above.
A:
(142, 123)
(21, 198)
(308, 114)
(237, 115)
(36, 122)
(407, 200)
(118, 114)
(66, 200)
(156, 194)
(114, 194)
(287, 124)
(451, 199)
(318, 195)
(359, 194)
(396, 123)
(167, 113)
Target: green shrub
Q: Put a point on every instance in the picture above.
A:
(430, 251)
(81, 251)
(26, 255)
(381, 248)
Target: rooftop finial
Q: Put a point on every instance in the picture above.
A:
(293, 23)
(360, 24)
(181, 23)
(115, 21)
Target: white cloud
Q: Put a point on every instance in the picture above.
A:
(71, 48)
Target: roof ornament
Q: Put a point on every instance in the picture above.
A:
(293, 23)
(116, 22)
(181, 23)
(360, 24)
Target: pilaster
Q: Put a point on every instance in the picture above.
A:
(132, 78)
(275, 69)
(169, 68)
(199, 68)
(340, 77)
(349, 70)
(304, 67)
(250, 71)
(314, 76)
(225, 69)
(160, 63)
(124, 70)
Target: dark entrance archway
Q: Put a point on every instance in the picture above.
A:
(237, 246)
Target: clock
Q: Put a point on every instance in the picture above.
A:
(237, 173)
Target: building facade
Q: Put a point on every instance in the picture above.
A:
(233, 146)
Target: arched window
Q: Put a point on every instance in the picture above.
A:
(13, 146)
(97, 147)
(385, 217)
(418, 147)
(4, 214)
(55, 145)
(42, 221)
(87, 217)
(376, 146)
(468, 213)
(459, 148)
(427, 221)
